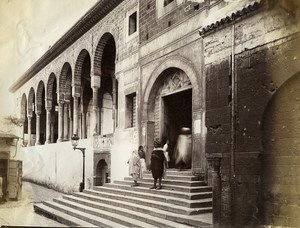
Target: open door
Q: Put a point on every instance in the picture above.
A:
(176, 114)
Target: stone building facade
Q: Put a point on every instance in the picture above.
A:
(133, 71)
(252, 68)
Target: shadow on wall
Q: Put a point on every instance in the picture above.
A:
(279, 199)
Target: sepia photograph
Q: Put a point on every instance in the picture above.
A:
(150, 113)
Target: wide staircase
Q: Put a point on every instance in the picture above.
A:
(183, 201)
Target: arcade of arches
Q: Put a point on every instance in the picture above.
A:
(74, 102)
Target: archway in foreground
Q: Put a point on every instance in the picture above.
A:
(169, 110)
(41, 114)
(31, 116)
(52, 105)
(187, 79)
(104, 67)
(280, 182)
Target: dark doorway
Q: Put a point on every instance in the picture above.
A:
(3, 180)
(176, 113)
(101, 173)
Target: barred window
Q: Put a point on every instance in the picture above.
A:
(131, 110)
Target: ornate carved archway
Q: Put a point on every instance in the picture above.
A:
(187, 76)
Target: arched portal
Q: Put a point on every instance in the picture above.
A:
(101, 173)
(31, 116)
(280, 182)
(170, 109)
(41, 114)
(52, 107)
(82, 77)
(65, 101)
(104, 66)
(172, 100)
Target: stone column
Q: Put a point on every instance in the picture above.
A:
(83, 132)
(95, 123)
(214, 163)
(75, 115)
(29, 130)
(79, 126)
(52, 130)
(198, 141)
(76, 93)
(70, 122)
(95, 83)
(37, 133)
(66, 121)
(60, 121)
(114, 100)
(48, 125)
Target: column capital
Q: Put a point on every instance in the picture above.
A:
(76, 90)
(96, 81)
(61, 102)
(38, 108)
(48, 103)
(67, 97)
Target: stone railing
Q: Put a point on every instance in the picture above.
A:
(102, 143)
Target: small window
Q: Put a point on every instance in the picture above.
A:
(167, 2)
(132, 23)
(131, 110)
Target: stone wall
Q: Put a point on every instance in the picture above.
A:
(153, 23)
(266, 50)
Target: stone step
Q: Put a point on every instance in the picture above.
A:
(136, 197)
(119, 189)
(170, 182)
(116, 200)
(71, 217)
(183, 201)
(93, 215)
(186, 172)
(167, 186)
(143, 213)
(176, 177)
(117, 214)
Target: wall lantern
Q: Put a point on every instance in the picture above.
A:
(74, 141)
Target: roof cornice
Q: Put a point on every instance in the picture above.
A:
(92, 17)
(235, 16)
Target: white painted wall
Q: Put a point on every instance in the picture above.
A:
(58, 165)
(124, 143)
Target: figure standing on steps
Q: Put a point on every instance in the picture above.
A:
(157, 164)
(134, 167)
(167, 157)
(142, 156)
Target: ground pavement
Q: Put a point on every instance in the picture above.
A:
(21, 213)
